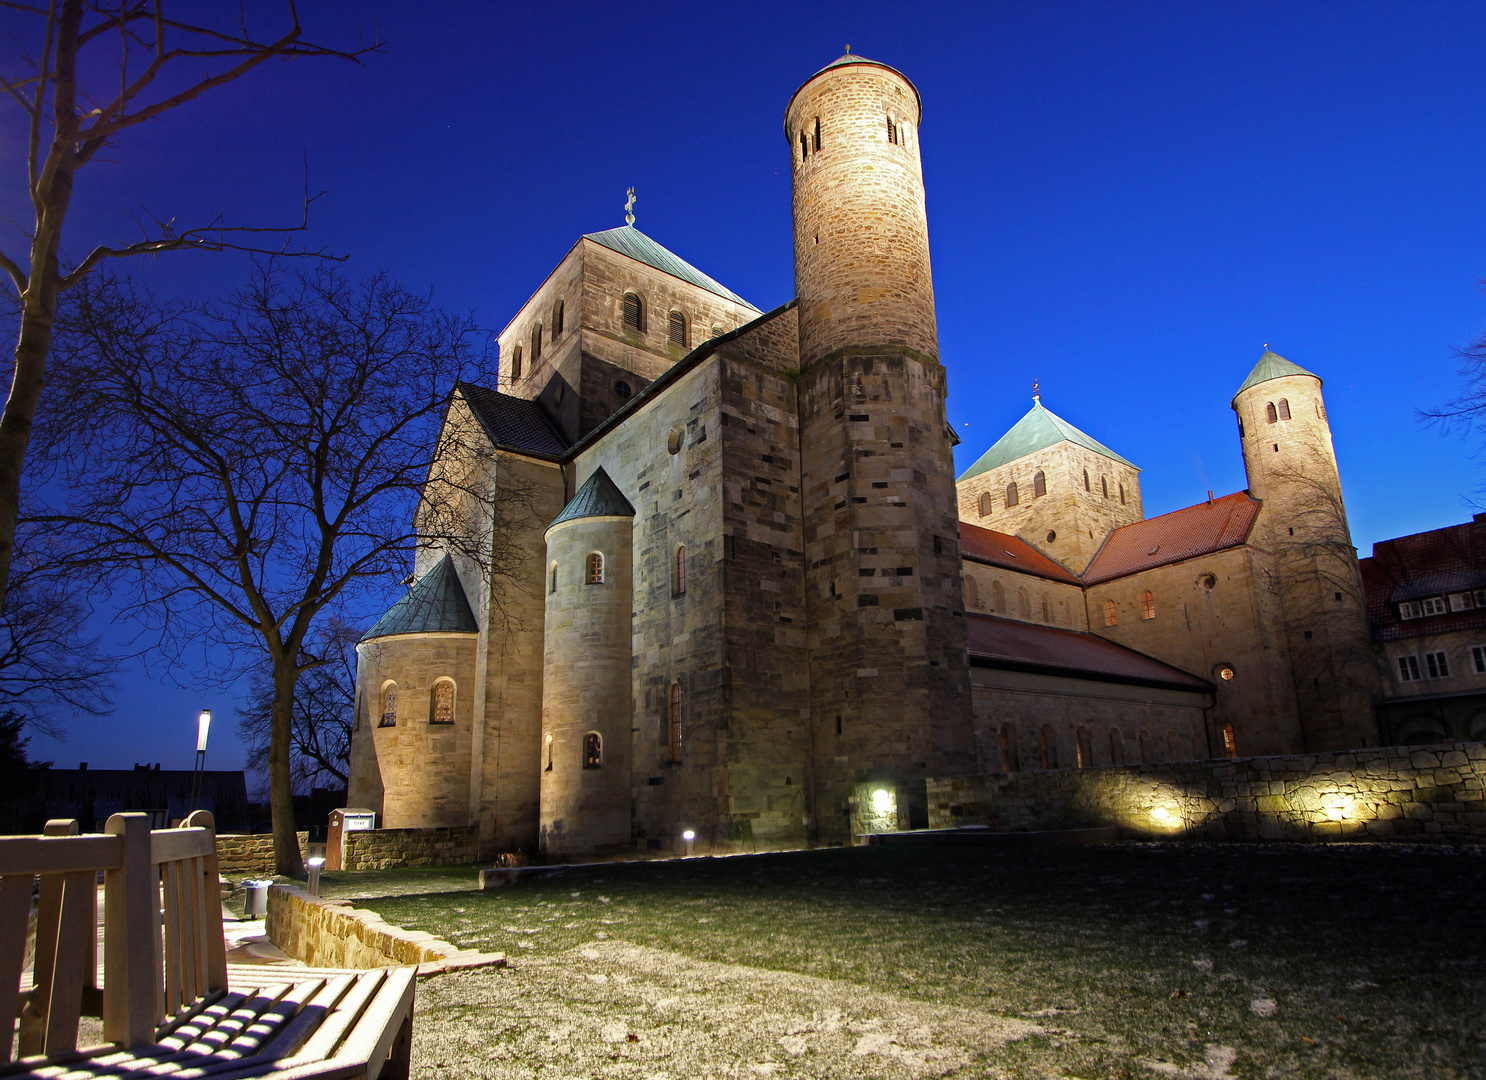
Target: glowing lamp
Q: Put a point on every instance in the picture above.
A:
(882, 801)
(203, 725)
(688, 835)
(1161, 814)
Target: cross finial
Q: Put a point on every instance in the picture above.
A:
(629, 207)
(848, 50)
(1036, 392)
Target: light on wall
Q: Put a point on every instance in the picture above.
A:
(882, 801)
(1162, 815)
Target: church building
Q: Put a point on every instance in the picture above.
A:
(748, 589)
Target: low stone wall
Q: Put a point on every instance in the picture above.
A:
(1430, 793)
(250, 854)
(333, 934)
(383, 849)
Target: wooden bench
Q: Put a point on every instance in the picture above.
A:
(165, 1004)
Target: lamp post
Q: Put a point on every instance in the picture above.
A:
(203, 725)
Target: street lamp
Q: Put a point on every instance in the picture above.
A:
(203, 725)
(689, 837)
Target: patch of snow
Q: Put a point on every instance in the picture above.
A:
(1263, 1007)
(1203, 964)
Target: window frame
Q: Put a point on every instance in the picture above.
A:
(1039, 484)
(984, 504)
(433, 701)
(592, 751)
(674, 706)
(1408, 668)
(673, 320)
(678, 571)
(1147, 606)
(1437, 664)
(1271, 416)
(594, 568)
(1013, 498)
(624, 310)
(387, 717)
(1111, 613)
(1478, 659)
(516, 365)
(1284, 408)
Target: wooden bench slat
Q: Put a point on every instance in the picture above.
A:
(77, 941)
(59, 854)
(293, 1035)
(177, 845)
(371, 1038)
(330, 1033)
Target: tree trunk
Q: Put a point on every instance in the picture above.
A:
(286, 855)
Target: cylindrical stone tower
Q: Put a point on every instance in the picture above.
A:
(1291, 467)
(586, 697)
(890, 690)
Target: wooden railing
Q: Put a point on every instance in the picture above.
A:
(163, 950)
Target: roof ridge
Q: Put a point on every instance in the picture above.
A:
(631, 242)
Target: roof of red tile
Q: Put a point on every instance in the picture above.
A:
(1181, 534)
(1028, 647)
(1013, 553)
(1434, 563)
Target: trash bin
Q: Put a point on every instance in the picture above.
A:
(256, 904)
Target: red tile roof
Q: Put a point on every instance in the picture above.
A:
(1434, 563)
(1181, 534)
(1005, 550)
(1028, 647)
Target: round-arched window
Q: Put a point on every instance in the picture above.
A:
(593, 750)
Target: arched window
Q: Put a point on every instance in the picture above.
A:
(678, 329)
(1269, 413)
(1085, 744)
(634, 311)
(1240, 427)
(389, 705)
(1065, 616)
(1116, 747)
(673, 723)
(552, 579)
(673, 440)
(556, 319)
(536, 344)
(1145, 747)
(678, 571)
(972, 593)
(1010, 759)
(516, 363)
(1039, 484)
(1024, 604)
(1230, 742)
(816, 146)
(1147, 606)
(804, 145)
(985, 503)
(1011, 499)
(1110, 615)
(593, 750)
(998, 597)
(595, 568)
(441, 702)
(1122, 494)
(1104, 487)
(548, 747)
(1173, 746)
(892, 131)
(1284, 408)
(1049, 749)
(1086, 481)
(1047, 615)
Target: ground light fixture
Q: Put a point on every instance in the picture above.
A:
(690, 837)
(313, 866)
(203, 726)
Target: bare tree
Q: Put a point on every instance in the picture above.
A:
(68, 124)
(324, 712)
(236, 469)
(1466, 412)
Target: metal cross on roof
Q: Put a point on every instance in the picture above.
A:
(629, 207)
(1036, 393)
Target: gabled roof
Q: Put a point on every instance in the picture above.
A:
(1011, 552)
(1181, 534)
(598, 497)
(513, 423)
(435, 604)
(1434, 563)
(628, 240)
(1038, 430)
(1272, 366)
(1019, 646)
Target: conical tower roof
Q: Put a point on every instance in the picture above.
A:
(435, 604)
(1272, 366)
(598, 497)
(1039, 429)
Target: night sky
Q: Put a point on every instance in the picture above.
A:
(1126, 202)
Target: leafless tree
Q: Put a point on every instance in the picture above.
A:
(324, 712)
(1466, 412)
(236, 469)
(160, 64)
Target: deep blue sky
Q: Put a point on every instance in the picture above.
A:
(1126, 201)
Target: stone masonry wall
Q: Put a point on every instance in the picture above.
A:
(250, 853)
(1414, 793)
(382, 849)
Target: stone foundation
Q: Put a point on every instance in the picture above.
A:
(250, 854)
(1413, 793)
(384, 849)
(333, 934)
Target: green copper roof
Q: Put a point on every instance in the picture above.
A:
(598, 497)
(435, 604)
(628, 240)
(1037, 430)
(1272, 366)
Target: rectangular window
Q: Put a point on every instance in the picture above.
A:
(1408, 668)
(1435, 605)
(1462, 601)
(1437, 664)
(1410, 610)
(1478, 658)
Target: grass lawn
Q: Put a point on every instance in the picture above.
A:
(1203, 961)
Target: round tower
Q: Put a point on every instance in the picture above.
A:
(862, 272)
(1291, 467)
(889, 678)
(586, 697)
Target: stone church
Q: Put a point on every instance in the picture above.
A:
(754, 603)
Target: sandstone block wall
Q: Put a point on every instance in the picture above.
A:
(384, 849)
(992, 590)
(250, 854)
(1420, 793)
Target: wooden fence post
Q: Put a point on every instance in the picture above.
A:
(131, 937)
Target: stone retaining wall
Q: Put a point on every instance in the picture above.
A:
(333, 934)
(250, 854)
(1429, 793)
(383, 849)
